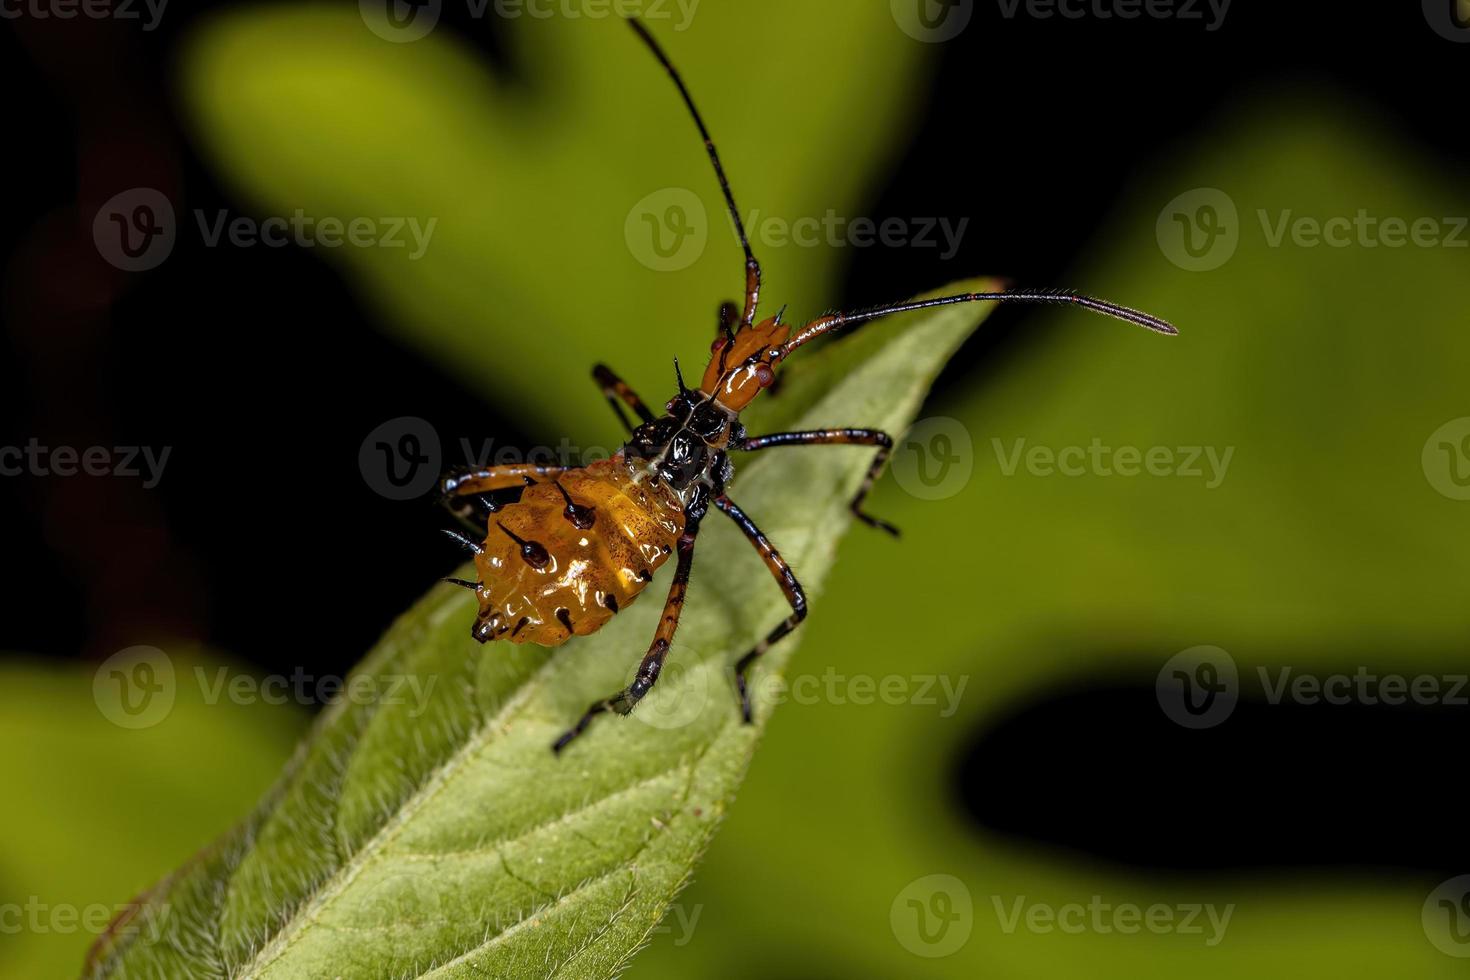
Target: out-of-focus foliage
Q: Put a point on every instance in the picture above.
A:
(95, 813)
(536, 266)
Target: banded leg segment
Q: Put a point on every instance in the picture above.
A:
(653, 662)
(616, 390)
(486, 478)
(838, 437)
(790, 587)
(461, 492)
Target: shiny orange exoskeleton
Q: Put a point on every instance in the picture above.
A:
(581, 543)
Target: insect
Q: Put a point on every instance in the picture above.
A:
(581, 543)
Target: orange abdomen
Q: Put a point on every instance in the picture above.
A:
(565, 579)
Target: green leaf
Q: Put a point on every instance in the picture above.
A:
(430, 831)
(95, 809)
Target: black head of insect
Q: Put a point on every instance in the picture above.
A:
(686, 445)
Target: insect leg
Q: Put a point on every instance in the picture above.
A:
(483, 479)
(653, 662)
(464, 493)
(838, 437)
(616, 390)
(789, 585)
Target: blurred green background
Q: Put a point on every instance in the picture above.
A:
(1331, 542)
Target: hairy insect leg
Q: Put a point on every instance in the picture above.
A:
(789, 586)
(653, 662)
(616, 390)
(838, 437)
(483, 479)
(466, 493)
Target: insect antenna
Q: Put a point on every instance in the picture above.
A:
(834, 322)
(752, 267)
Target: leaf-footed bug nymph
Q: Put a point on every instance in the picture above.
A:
(581, 543)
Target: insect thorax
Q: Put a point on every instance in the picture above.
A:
(685, 448)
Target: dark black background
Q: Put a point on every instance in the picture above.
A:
(264, 465)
